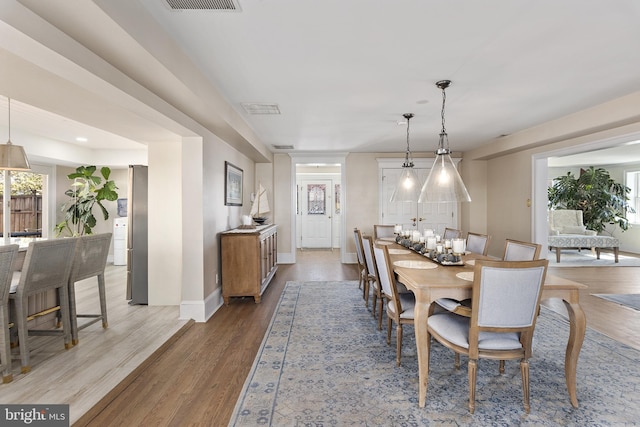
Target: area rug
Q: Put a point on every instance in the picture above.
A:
(628, 300)
(587, 258)
(324, 363)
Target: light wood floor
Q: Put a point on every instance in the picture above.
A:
(195, 379)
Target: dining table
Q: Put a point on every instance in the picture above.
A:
(453, 281)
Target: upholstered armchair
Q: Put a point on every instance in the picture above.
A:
(566, 221)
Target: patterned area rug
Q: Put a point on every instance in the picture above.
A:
(586, 258)
(324, 363)
(628, 300)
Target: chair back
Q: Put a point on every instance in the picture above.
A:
(506, 297)
(367, 248)
(386, 276)
(451, 233)
(7, 255)
(357, 236)
(515, 250)
(47, 265)
(380, 230)
(478, 243)
(90, 257)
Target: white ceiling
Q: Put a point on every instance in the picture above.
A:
(344, 71)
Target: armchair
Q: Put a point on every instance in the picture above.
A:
(567, 221)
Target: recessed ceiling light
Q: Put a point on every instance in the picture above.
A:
(82, 139)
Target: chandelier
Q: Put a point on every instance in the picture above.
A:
(444, 183)
(407, 188)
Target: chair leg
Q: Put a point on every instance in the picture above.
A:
(501, 367)
(21, 320)
(5, 347)
(389, 325)
(103, 301)
(73, 315)
(456, 362)
(398, 343)
(380, 311)
(63, 291)
(524, 369)
(374, 302)
(473, 368)
(365, 293)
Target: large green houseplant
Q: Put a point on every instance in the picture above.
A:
(601, 200)
(87, 190)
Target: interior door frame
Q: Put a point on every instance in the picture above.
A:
(335, 158)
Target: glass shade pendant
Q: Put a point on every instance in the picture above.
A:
(444, 183)
(408, 185)
(13, 157)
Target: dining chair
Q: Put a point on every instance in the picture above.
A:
(505, 304)
(89, 260)
(383, 230)
(362, 266)
(451, 233)
(478, 243)
(399, 305)
(372, 281)
(516, 250)
(7, 255)
(47, 266)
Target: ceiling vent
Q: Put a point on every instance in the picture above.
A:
(257, 108)
(282, 147)
(219, 5)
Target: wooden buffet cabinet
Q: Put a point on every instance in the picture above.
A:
(249, 261)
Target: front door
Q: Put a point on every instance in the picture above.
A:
(316, 209)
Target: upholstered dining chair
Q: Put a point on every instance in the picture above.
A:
(478, 243)
(451, 233)
(47, 266)
(90, 260)
(7, 255)
(505, 303)
(372, 280)
(516, 250)
(400, 305)
(362, 265)
(383, 230)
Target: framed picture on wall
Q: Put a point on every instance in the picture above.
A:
(232, 185)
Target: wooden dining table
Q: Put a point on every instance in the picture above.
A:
(441, 282)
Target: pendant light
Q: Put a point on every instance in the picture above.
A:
(13, 157)
(444, 183)
(407, 188)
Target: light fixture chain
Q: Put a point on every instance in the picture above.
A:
(408, 157)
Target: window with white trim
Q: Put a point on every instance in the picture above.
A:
(633, 182)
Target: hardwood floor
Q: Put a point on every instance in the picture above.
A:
(196, 378)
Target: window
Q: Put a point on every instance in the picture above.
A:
(633, 182)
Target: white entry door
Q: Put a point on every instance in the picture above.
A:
(315, 198)
(414, 215)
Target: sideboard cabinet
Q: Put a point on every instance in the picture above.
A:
(249, 261)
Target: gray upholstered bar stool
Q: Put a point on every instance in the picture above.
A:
(89, 261)
(47, 266)
(7, 255)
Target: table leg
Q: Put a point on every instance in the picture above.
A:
(578, 326)
(420, 315)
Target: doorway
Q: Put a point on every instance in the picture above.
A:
(320, 230)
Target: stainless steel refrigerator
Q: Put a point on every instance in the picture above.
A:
(137, 237)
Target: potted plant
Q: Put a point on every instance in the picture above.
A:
(601, 200)
(87, 190)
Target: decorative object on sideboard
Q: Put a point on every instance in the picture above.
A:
(260, 206)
